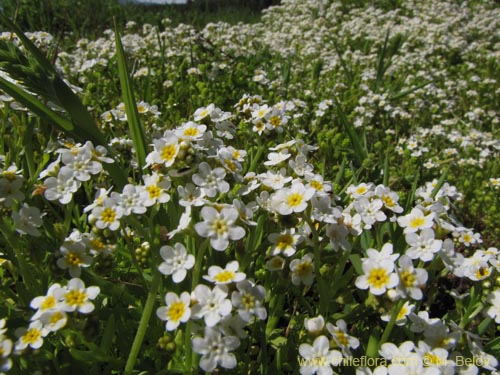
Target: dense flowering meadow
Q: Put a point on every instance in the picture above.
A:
(315, 193)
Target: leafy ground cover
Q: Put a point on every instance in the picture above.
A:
(317, 192)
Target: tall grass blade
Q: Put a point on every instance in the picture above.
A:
(135, 126)
(36, 106)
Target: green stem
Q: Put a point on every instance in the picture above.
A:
(390, 325)
(143, 324)
(194, 282)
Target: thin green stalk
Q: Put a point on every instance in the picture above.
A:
(392, 322)
(143, 324)
(196, 278)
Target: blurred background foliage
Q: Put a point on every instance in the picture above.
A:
(89, 18)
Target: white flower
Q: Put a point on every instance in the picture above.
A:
(377, 276)
(227, 275)
(314, 325)
(165, 151)
(219, 226)
(274, 180)
(402, 315)
(130, 200)
(416, 220)
(32, 337)
(215, 350)
(410, 279)
(190, 131)
(361, 190)
(318, 357)
(249, 300)
(293, 199)
(49, 302)
(423, 246)
(176, 310)
(284, 242)
(54, 320)
(494, 310)
(302, 270)
(155, 189)
(300, 165)
(176, 261)
(190, 195)
(73, 257)
(275, 158)
(210, 181)
(108, 215)
(80, 163)
(211, 305)
(75, 297)
(62, 187)
(369, 210)
(27, 220)
(343, 340)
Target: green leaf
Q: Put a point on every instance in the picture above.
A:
(134, 122)
(107, 337)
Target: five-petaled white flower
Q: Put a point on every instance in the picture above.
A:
(219, 226)
(177, 261)
(176, 311)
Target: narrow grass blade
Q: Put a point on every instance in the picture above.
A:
(36, 106)
(86, 127)
(135, 126)
(28, 44)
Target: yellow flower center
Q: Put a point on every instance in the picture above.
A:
(176, 311)
(361, 190)
(48, 303)
(295, 199)
(154, 191)
(275, 121)
(304, 268)
(56, 317)
(32, 336)
(408, 278)
(467, 237)
(75, 297)
(191, 132)
(224, 276)
(417, 222)
(378, 277)
(317, 185)
(388, 201)
(284, 241)
(97, 244)
(432, 359)
(482, 272)
(203, 113)
(73, 259)
(342, 338)
(236, 154)
(219, 226)
(168, 152)
(9, 175)
(108, 215)
(248, 301)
